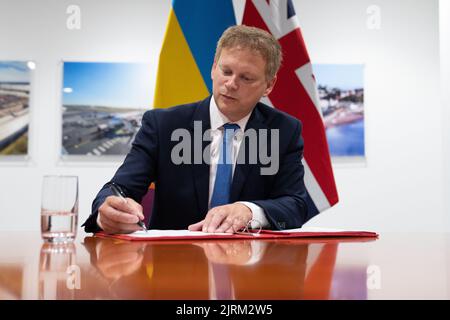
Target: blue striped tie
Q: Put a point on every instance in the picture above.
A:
(222, 185)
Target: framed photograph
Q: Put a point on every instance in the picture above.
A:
(341, 94)
(102, 106)
(15, 78)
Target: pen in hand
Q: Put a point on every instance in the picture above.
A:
(118, 192)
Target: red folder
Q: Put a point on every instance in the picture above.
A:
(157, 235)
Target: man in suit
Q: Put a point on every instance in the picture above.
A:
(219, 193)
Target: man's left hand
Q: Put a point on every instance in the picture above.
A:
(228, 218)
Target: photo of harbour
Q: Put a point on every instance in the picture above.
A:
(14, 107)
(341, 94)
(103, 104)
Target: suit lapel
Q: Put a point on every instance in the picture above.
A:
(241, 171)
(201, 171)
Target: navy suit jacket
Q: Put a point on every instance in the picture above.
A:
(181, 191)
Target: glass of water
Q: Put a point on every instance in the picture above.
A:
(59, 208)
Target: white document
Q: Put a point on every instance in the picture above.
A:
(155, 233)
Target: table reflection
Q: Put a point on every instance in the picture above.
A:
(143, 270)
(58, 272)
(105, 268)
(241, 269)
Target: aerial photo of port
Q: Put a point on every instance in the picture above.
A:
(103, 104)
(341, 94)
(14, 107)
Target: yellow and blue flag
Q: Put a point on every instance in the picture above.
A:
(187, 54)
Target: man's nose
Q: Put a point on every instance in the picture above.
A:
(231, 83)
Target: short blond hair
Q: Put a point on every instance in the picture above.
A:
(254, 39)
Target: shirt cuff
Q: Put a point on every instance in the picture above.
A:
(97, 221)
(258, 215)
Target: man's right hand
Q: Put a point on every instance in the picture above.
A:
(117, 215)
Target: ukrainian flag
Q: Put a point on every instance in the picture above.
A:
(187, 54)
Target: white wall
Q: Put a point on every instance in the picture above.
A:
(444, 28)
(399, 188)
(36, 30)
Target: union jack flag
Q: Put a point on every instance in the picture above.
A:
(296, 93)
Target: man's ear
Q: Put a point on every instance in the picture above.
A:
(213, 67)
(270, 86)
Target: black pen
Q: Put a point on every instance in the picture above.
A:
(118, 192)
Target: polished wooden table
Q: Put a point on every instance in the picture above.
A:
(394, 266)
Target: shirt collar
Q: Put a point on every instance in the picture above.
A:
(218, 119)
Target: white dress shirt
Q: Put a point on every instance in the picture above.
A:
(218, 119)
